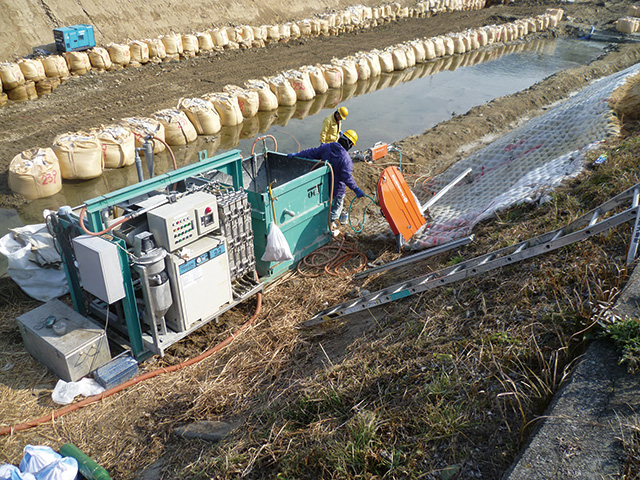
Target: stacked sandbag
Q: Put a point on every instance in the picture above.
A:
(139, 52)
(120, 54)
(227, 107)
(142, 128)
(172, 45)
(55, 66)
(190, 47)
(205, 42)
(268, 100)
(316, 77)
(283, 90)
(248, 99)
(273, 34)
(220, 38)
(202, 114)
(118, 145)
(11, 75)
(32, 69)
(22, 93)
(157, 52)
(627, 25)
(178, 130)
(99, 59)
(79, 155)
(78, 62)
(35, 173)
(301, 84)
(46, 86)
(259, 36)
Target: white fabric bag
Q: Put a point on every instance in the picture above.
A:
(277, 249)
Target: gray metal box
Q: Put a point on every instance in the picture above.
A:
(72, 355)
(99, 267)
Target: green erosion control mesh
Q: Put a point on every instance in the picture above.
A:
(522, 165)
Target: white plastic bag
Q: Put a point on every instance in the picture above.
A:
(277, 249)
(65, 392)
(6, 470)
(28, 250)
(36, 457)
(64, 469)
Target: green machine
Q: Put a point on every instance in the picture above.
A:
(159, 259)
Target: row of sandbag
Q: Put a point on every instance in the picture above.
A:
(630, 23)
(81, 156)
(32, 77)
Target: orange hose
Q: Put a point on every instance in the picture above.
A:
(146, 376)
(102, 232)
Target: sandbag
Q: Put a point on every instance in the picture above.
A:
(143, 127)
(627, 25)
(139, 51)
(283, 90)
(220, 37)
(316, 77)
(449, 47)
(268, 100)
(333, 74)
(362, 67)
(373, 60)
(119, 54)
(227, 107)
(409, 54)
(46, 86)
(79, 155)
(172, 43)
(248, 99)
(178, 130)
(118, 145)
(11, 75)
(78, 62)
(386, 61)
(156, 49)
(190, 46)
(99, 58)
(22, 93)
(35, 173)
(349, 70)
(205, 42)
(458, 45)
(32, 69)
(399, 58)
(202, 114)
(301, 84)
(419, 52)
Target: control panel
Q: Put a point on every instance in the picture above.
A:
(177, 224)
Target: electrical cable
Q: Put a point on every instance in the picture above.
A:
(50, 417)
(364, 214)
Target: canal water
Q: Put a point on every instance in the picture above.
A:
(385, 108)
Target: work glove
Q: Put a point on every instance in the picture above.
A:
(359, 193)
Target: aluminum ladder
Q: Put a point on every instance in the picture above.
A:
(582, 228)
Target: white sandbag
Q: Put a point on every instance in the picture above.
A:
(301, 84)
(283, 90)
(32, 69)
(172, 43)
(248, 99)
(205, 42)
(316, 77)
(178, 130)
(118, 145)
(99, 58)
(386, 61)
(268, 100)
(362, 68)
(305, 28)
(294, 29)
(409, 54)
(119, 54)
(349, 70)
(33, 262)
(277, 249)
(139, 51)
(419, 52)
(142, 128)
(627, 25)
(373, 60)
(11, 75)
(399, 58)
(202, 114)
(55, 66)
(449, 47)
(285, 32)
(156, 49)
(227, 107)
(79, 155)
(220, 38)
(35, 173)
(273, 33)
(333, 75)
(78, 62)
(190, 46)
(458, 44)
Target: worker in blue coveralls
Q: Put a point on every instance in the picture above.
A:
(336, 154)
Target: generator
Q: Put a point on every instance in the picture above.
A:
(74, 38)
(157, 260)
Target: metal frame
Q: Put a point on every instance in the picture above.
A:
(582, 228)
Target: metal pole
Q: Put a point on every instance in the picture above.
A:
(438, 195)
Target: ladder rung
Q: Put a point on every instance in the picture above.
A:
(594, 218)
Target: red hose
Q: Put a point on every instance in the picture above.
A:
(146, 376)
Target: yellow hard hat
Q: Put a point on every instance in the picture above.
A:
(343, 112)
(351, 135)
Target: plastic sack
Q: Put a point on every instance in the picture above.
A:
(34, 263)
(6, 470)
(18, 475)
(65, 392)
(36, 457)
(277, 249)
(64, 469)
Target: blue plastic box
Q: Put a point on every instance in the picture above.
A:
(74, 38)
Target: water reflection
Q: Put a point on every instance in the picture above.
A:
(383, 108)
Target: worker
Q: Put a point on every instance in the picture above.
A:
(331, 125)
(336, 154)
